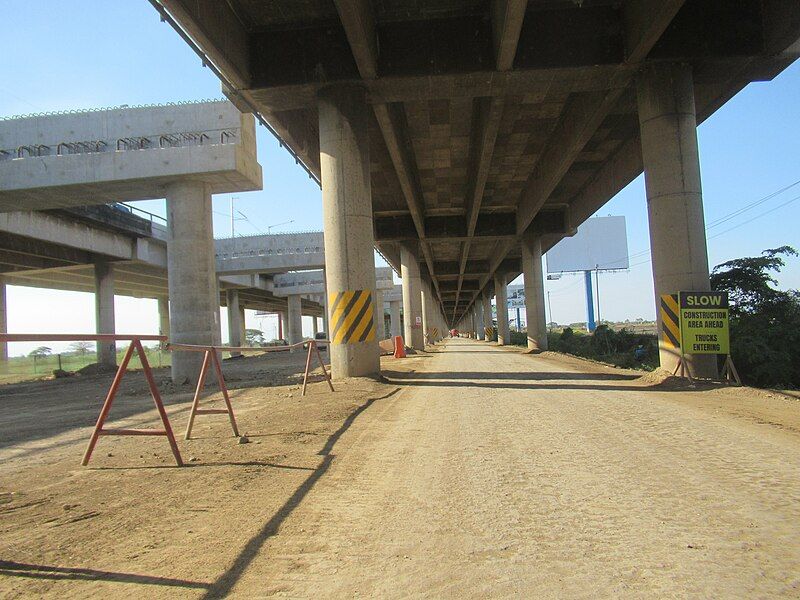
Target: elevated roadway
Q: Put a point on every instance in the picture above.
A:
(465, 138)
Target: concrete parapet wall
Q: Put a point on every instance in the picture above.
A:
(270, 253)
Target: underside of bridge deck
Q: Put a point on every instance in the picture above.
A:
(489, 120)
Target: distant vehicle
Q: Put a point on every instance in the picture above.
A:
(321, 335)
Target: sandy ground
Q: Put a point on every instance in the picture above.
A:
(472, 471)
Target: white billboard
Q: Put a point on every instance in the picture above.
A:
(600, 244)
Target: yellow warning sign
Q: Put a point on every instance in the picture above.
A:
(704, 322)
(351, 317)
(670, 322)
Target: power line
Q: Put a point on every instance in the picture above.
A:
(724, 219)
(750, 206)
(758, 216)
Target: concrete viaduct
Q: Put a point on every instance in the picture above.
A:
(464, 138)
(110, 250)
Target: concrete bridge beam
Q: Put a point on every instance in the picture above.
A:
(104, 311)
(668, 125)
(194, 303)
(348, 224)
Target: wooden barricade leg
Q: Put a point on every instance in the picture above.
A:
(201, 380)
(224, 389)
(308, 367)
(148, 373)
(324, 370)
(112, 391)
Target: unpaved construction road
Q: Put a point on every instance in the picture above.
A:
(473, 472)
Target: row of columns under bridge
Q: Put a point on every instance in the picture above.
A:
(670, 159)
(678, 244)
(668, 127)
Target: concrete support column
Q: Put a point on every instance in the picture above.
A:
(534, 293)
(243, 324)
(163, 316)
(349, 240)
(295, 321)
(314, 326)
(426, 302)
(668, 125)
(412, 299)
(380, 322)
(486, 299)
(3, 320)
(501, 297)
(479, 326)
(194, 301)
(234, 320)
(394, 317)
(104, 311)
(283, 326)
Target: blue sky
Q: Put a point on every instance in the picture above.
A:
(73, 54)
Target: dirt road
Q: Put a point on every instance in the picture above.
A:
(481, 472)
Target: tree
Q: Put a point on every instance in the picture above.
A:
(254, 337)
(40, 352)
(81, 348)
(764, 321)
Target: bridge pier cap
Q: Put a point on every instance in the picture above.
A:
(348, 225)
(668, 124)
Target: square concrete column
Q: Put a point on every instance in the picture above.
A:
(479, 326)
(380, 323)
(3, 320)
(104, 311)
(314, 326)
(193, 292)
(534, 292)
(295, 321)
(394, 317)
(668, 125)
(349, 240)
(501, 297)
(234, 320)
(412, 299)
(486, 298)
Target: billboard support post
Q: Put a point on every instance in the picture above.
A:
(590, 323)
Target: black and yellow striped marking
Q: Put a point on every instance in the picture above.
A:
(352, 320)
(435, 332)
(670, 325)
(489, 332)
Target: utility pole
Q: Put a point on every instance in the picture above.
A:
(549, 311)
